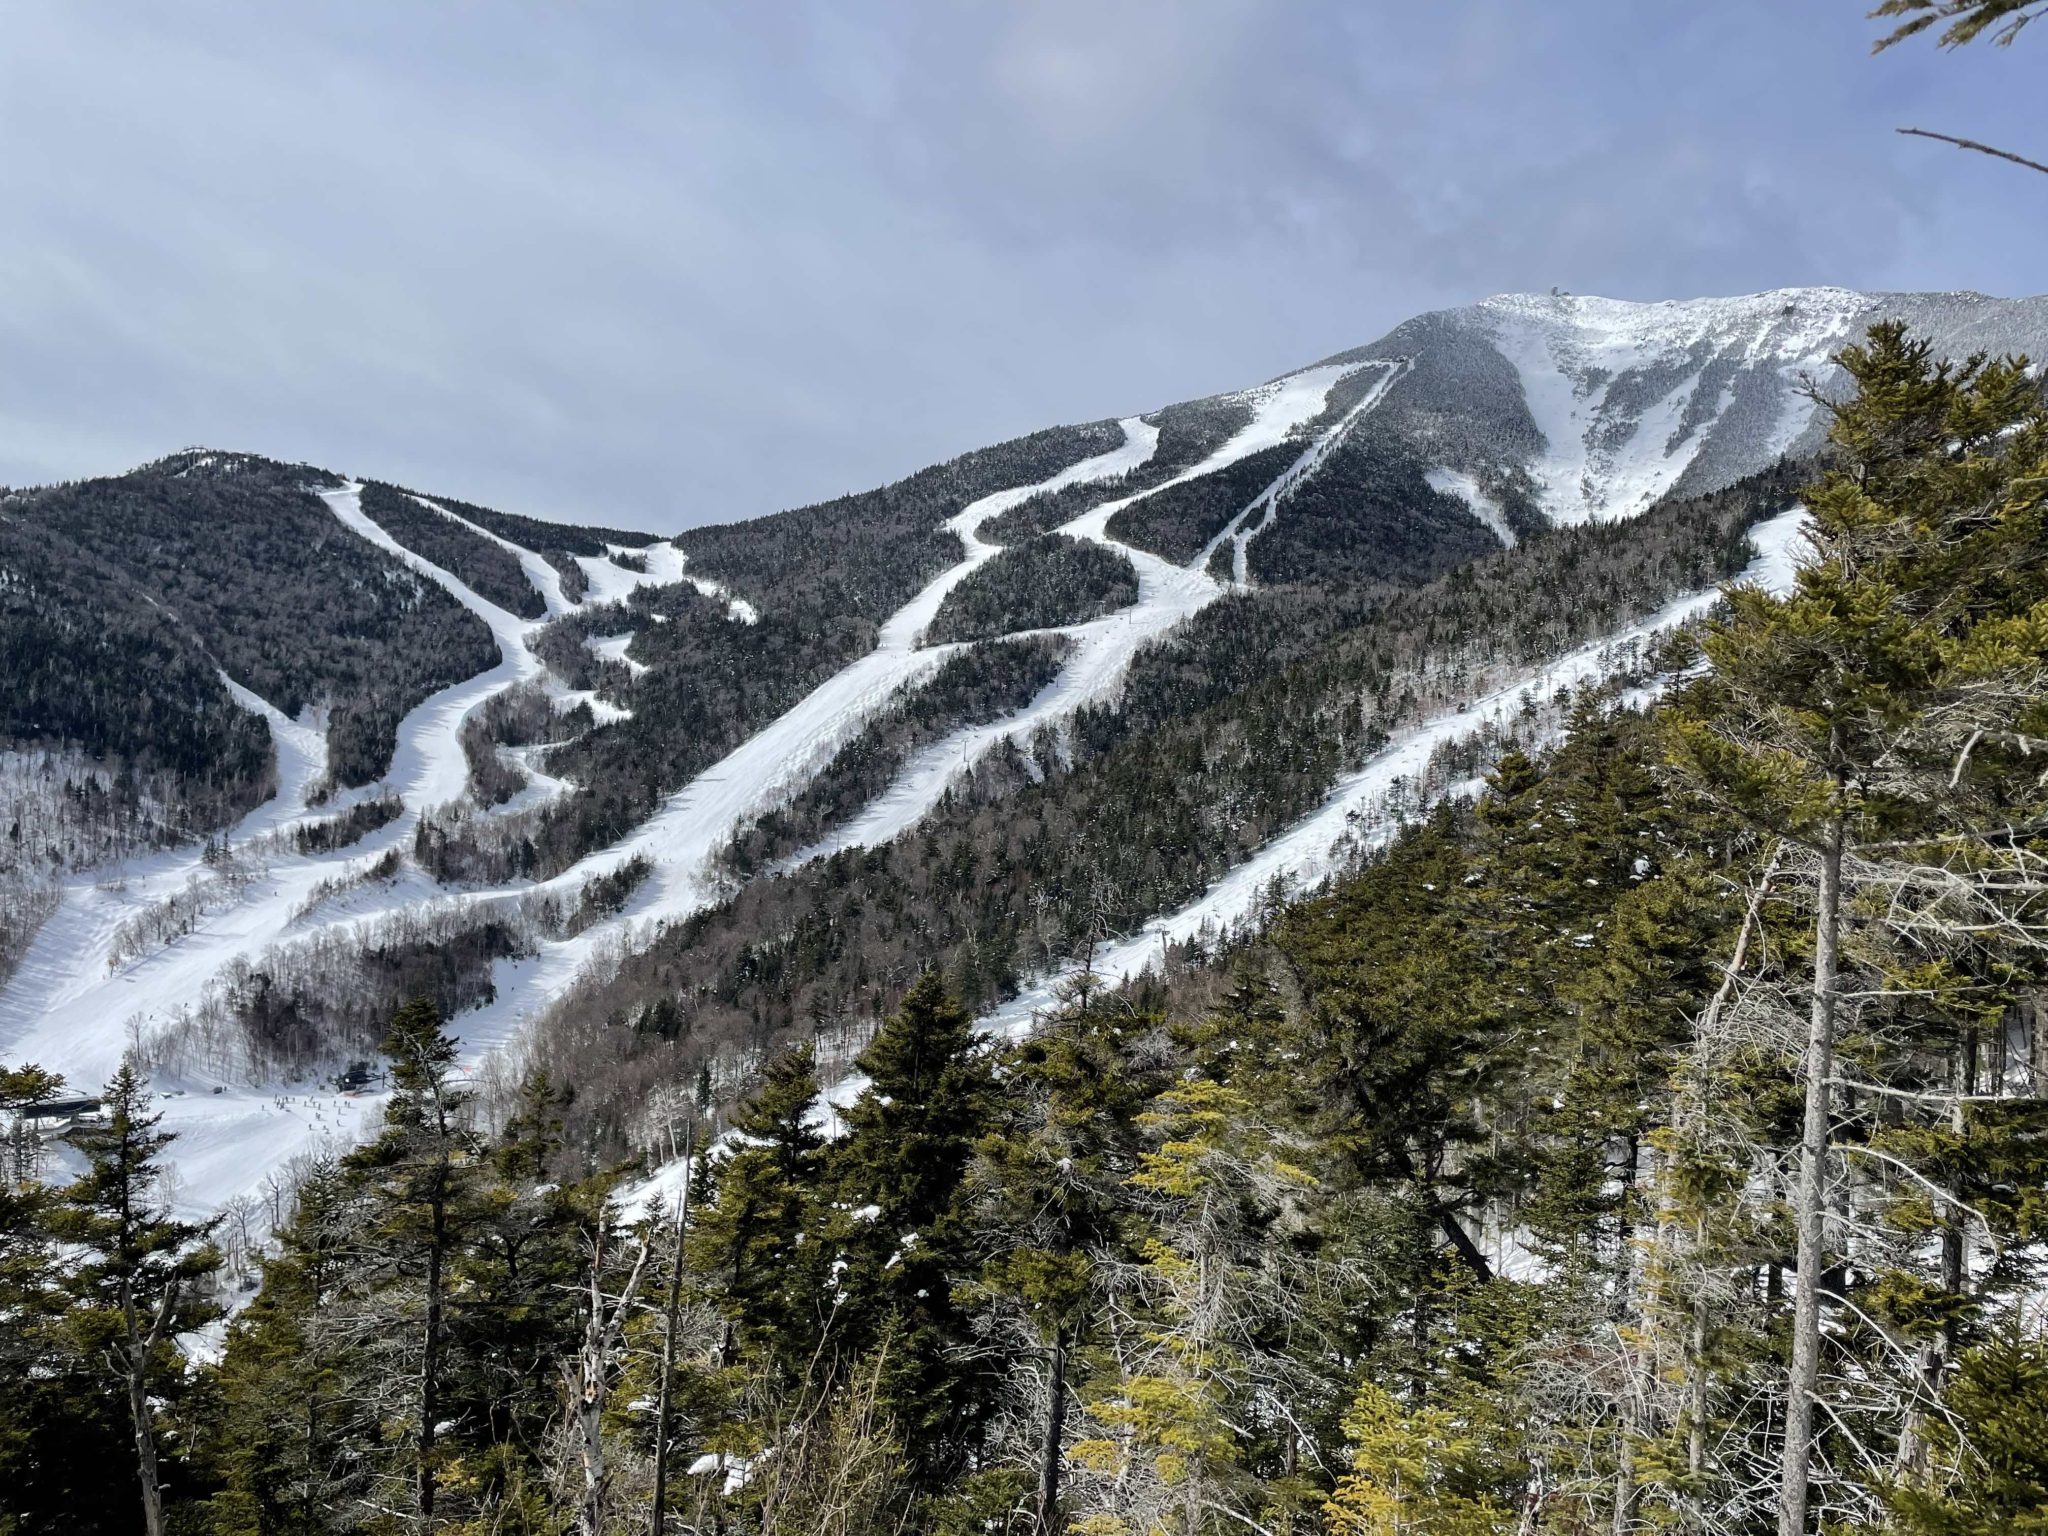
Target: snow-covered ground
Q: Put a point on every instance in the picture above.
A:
(1453, 482)
(1256, 518)
(1168, 595)
(1363, 809)
(73, 1011)
(1616, 387)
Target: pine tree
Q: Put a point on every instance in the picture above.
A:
(903, 1231)
(1879, 719)
(142, 1278)
(60, 1429)
(285, 1445)
(1994, 1478)
(422, 1174)
(1177, 1429)
(1050, 1174)
(755, 1240)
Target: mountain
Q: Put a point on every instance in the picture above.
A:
(280, 748)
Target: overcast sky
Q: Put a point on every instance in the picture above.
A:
(667, 263)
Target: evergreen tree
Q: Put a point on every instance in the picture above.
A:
(142, 1278)
(1994, 1453)
(286, 1446)
(423, 1180)
(903, 1230)
(1879, 719)
(60, 1428)
(755, 1240)
(1050, 1173)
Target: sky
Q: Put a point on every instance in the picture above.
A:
(657, 264)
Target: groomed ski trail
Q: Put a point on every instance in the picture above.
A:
(1354, 817)
(1168, 595)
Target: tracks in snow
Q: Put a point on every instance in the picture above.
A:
(67, 1009)
(1361, 810)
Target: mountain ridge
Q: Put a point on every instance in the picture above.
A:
(1318, 564)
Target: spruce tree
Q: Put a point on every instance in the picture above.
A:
(1050, 1173)
(1879, 718)
(286, 1448)
(142, 1276)
(755, 1238)
(903, 1231)
(423, 1179)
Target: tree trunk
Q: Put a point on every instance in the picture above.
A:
(1049, 1519)
(1463, 1246)
(1811, 1208)
(1696, 1384)
(141, 1347)
(665, 1398)
(430, 1363)
(1625, 1485)
(1636, 1309)
(145, 1448)
(657, 1519)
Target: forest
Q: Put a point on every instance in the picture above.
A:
(284, 599)
(487, 569)
(1222, 737)
(1044, 583)
(1654, 1143)
(863, 556)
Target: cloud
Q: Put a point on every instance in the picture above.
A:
(664, 265)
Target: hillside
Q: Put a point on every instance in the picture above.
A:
(556, 779)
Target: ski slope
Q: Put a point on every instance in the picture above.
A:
(74, 1010)
(1365, 808)
(1452, 482)
(1241, 530)
(1104, 648)
(1626, 395)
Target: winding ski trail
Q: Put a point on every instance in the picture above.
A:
(1365, 808)
(76, 1013)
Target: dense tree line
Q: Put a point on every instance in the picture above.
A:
(863, 556)
(1223, 736)
(557, 543)
(1522, 1182)
(80, 638)
(975, 686)
(282, 597)
(1177, 521)
(488, 569)
(1188, 433)
(1367, 515)
(348, 828)
(1045, 583)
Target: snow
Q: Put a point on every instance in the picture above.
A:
(1360, 811)
(1240, 530)
(545, 578)
(1103, 648)
(1605, 456)
(67, 1008)
(613, 583)
(1452, 482)
(613, 648)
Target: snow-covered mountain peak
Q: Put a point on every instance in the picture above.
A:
(1631, 400)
